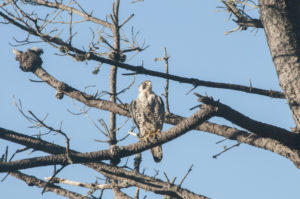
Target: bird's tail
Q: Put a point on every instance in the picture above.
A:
(157, 153)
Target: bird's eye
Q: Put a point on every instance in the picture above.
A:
(144, 86)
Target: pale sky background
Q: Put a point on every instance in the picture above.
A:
(193, 33)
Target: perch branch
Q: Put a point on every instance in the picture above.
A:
(123, 151)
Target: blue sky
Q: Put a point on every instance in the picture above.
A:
(193, 33)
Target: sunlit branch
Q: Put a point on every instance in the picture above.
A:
(85, 15)
(33, 181)
(131, 178)
(123, 151)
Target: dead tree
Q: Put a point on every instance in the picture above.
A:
(110, 45)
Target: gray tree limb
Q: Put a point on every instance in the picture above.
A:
(118, 152)
(33, 181)
(281, 21)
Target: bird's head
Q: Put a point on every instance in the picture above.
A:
(145, 86)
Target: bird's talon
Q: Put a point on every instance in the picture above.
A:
(146, 138)
(154, 134)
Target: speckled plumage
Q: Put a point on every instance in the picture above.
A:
(148, 114)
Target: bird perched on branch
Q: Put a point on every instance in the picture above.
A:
(148, 114)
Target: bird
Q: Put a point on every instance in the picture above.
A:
(148, 113)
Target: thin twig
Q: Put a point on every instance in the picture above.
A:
(58, 131)
(168, 181)
(141, 69)
(85, 113)
(54, 174)
(190, 169)
(231, 147)
(126, 20)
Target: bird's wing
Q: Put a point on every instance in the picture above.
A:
(157, 112)
(134, 113)
(161, 111)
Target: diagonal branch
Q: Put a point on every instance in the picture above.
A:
(181, 128)
(171, 118)
(259, 128)
(221, 130)
(231, 133)
(244, 137)
(120, 195)
(33, 181)
(217, 129)
(88, 100)
(134, 179)
(86, 185)
(123, 109)
(241, 19)
(140, 69)
(145, 182)
(284, 136)
(80, 96)
(86, 16)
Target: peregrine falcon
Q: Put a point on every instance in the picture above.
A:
(148, 114)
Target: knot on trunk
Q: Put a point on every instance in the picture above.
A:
(29, 60)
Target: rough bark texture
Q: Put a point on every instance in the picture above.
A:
(123, 151)
(134, 178)
(33, 181)
(281, 21)
(113, 80)
(120, 109)
(279, 18)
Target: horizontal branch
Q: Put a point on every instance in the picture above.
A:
(145, 182)
(221, 130)
(123, 109)
(193, 81)
(171, 118)
(140, 69)
(230, 133)
(118, 152)
(261, 129)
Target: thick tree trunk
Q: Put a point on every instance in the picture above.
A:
(281, 21)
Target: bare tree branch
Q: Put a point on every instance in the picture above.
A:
(33, 181)
(120, 195)
(262, 129)
(113, 77)
(242, 20)
(142, 70)
(265, 136)
(147, 183)
(122, 151)
(135, 179)
(60, 6)
(259, 128)
(86, 185)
